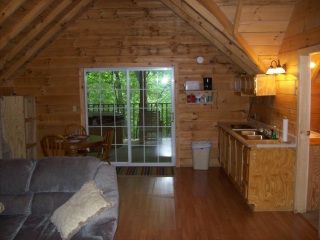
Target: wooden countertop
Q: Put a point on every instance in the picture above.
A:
(314, 138)
(254, 143)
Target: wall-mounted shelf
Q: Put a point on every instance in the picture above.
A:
(197, 97)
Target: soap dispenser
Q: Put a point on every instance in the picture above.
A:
(274, 134)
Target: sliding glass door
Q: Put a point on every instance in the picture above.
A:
(137, 103)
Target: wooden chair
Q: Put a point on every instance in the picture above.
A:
(105, 148)
(75, 129)
(153, 126)
(54, 145)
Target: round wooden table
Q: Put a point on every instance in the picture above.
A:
(82, 142)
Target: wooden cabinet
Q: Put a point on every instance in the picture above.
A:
(224, 150)
(313, 197)
(199, 97)
(19, 125)
(255, 85)
(245, 172)
(263, 176)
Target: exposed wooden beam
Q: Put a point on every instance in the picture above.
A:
(246, 47)
(33, 33)
(233, 30)
(216, 11)
(62, 24)
(237, 16)
(23, 23)
(209, 31)
(9, 9)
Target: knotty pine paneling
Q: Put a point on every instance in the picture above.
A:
(303, 29)
(301, 33)
(140, 33)
(315, 95)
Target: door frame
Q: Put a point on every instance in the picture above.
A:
(83, 108)
(303, 128)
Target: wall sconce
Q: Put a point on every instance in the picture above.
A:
(275, 70)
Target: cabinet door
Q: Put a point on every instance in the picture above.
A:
(245, 172)
(221, 147)
(19, 128)
(224, 150)
(233, 163)
(239, 163)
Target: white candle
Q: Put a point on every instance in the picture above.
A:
(285, 130)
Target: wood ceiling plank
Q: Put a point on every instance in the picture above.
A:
(200, 24)
(247, 48)
(216, 11)
(23, 23)
(60, 25)
(263, 26)
(263, 49)
(264, 38)
(229, 12)
(34, 32)
(10, 9)
(270, 12)
(232, 31)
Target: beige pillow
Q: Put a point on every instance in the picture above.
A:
(84, 205)
(1, 207)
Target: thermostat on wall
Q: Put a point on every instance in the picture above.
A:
(192, 85)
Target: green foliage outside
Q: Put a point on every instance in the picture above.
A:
(150, 89)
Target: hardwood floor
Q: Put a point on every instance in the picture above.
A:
(200, 205)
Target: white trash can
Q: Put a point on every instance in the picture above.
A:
(201, 155)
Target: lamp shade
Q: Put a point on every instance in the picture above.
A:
(275, 70)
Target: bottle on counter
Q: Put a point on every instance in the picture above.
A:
(274, 134)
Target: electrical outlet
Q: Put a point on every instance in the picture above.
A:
(74, 108)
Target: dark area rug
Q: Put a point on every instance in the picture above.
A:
(145, 171)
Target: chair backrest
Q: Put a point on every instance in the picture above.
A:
(75, 129)
(151, 118)
(104, 153)
(54, 145)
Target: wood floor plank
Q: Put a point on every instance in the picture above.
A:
(198, 205)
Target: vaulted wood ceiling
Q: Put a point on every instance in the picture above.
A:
(250, 32)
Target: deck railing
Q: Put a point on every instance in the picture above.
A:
(164, 110)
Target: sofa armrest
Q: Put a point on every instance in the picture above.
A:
(107, 222)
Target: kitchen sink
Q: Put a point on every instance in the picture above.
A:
(253, 135)
(249, 132)
(241, 126)
(257, 137)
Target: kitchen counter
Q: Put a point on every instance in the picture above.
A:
(266, 143)
(262, 170)
(314, 138)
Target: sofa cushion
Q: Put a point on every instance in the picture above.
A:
(63, 174)
(1, 207)
(10, 225)
(16, 204)
(15, 175)
(40, 227)
(47, 203)
(84, 205)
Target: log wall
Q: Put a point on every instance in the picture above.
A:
(303, 31)
(125, 33)
(315, 94)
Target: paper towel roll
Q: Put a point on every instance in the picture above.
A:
(285, 130)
